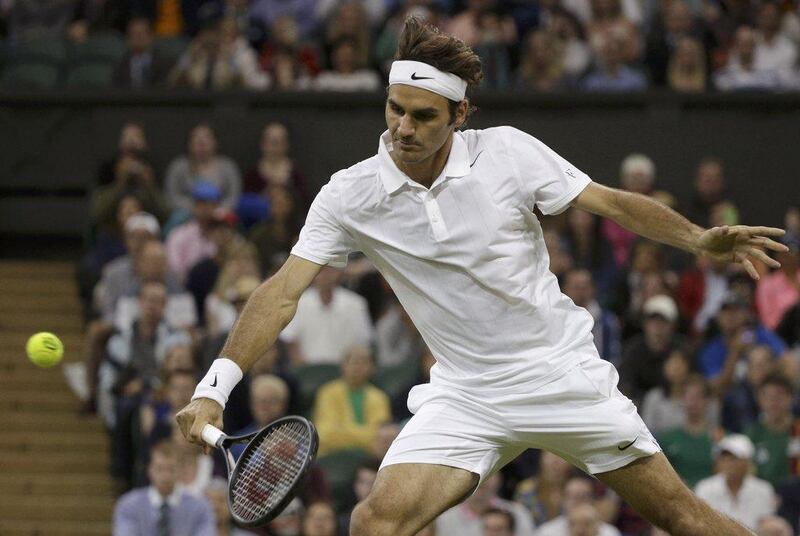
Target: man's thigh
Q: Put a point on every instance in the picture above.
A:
(652, 487)
(414, 494)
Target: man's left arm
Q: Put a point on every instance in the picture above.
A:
(649, 218)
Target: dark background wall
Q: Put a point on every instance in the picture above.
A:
(51, 145)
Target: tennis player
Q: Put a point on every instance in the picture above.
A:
(447, 216)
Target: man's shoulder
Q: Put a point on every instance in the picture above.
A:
(358, 172)
(133, 499)
(710, 485)
(194, 503)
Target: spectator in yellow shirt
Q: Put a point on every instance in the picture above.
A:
(348, 411)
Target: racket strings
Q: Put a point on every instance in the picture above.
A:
(268, 470)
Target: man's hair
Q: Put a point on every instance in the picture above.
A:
(505, 513)
(779, 380)
(166, 448)
(425, 43)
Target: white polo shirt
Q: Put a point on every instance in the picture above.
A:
(466, 257)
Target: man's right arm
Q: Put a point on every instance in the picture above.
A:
(268, 311)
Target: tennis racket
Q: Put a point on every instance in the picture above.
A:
(265, 478)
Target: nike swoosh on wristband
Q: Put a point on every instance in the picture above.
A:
(415, 77)
(628, 445)
(215, 381)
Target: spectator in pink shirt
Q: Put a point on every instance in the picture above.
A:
(190, 243)
(779, 291)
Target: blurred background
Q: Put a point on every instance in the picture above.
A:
(158, 158)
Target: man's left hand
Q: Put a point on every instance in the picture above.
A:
(741, 244)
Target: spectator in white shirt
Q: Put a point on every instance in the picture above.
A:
(578, 491)
(347, 74)
(742, 71)
(329, 321)
(774, 51)
(465, 519)
(734, 491)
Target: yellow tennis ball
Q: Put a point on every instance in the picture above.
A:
(44, 349)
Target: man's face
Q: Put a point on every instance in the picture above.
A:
(202, 142)
(774, 401)
(577, 491)
(365, 479)
(267, 404)
(357, 367)
(583, 521)
(496, 525)
(163, 473)
(132, 139)
(769, 19)
(694, 401)
(419, 122)
(709, 182)
(319, 520)
(180, 390)
(760, 363)
(139, 36)
(152, 301)
(733, 467)
(328, 278)
(203, 211)
(657, 329)
(275, 140)
(152, 262)
(732, 318)
(579, 287)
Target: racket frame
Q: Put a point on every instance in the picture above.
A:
(217, 438)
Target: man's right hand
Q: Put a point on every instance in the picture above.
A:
(195, 416)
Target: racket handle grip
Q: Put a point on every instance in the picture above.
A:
(212, 435)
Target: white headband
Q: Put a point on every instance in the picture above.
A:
(425, 76)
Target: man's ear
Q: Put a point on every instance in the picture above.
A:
(461, 113)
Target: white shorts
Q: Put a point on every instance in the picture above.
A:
(580, 416)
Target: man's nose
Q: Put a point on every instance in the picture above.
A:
(406, 128)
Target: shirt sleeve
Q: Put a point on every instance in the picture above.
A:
(548, 180)
(323, 239)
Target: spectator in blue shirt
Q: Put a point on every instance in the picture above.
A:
(162, 507)
(739, 330)
(612, 74)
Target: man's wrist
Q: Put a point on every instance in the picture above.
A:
(219, 381)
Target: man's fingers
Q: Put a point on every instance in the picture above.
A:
(196, 432)
(767, 243)
(750, 268)
(759, 231)
(763, 257)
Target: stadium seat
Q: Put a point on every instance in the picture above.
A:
(392, 379)
(90, 76)
(340, 470)
(29, 76)
(171, 47)
(311, 377)
(105, 47)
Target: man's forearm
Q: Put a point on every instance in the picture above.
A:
(266, 314)
(649, 218)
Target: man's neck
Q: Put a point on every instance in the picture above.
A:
(734, 485)
(696, 425)
(425, 172)
(325, 295)
(778, 423)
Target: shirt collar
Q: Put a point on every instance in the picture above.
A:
(155, 497)
(393, 179)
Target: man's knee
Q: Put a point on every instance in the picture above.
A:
(369, 518)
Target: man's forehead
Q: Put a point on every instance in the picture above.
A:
(415, 98)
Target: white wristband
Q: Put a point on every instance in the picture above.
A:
(219, 381)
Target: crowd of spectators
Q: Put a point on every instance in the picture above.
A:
(711, 357)
(688, 46)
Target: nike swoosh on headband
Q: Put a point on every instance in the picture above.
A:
(415, 77)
